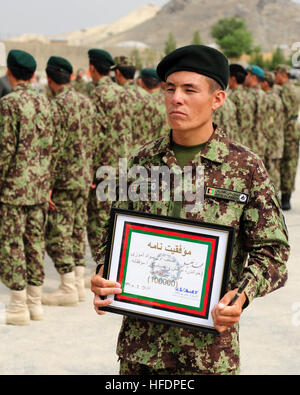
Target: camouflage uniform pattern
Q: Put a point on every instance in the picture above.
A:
(261, 249)
(146, 116)
(80, 86)
(114, 134)
(275, 126)
(289, 162)
(244, 114)
(226, 118)
(256, 139)
(73, 151)
(26, 133)
(159, 102)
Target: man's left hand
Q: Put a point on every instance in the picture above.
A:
(225, 316)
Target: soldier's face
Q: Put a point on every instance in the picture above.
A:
(188, 100)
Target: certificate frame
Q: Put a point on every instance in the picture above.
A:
(171, 270)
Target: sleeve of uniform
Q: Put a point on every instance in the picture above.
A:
(8, 139)
(266, 237)
(58, 142)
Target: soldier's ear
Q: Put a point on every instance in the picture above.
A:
(219, 97)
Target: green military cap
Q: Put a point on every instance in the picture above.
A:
(100, 55)
(60, 64)
(21, 59)
(283, 68)
(149, 73)
(270, 77)
(200, 59)
(123, 61)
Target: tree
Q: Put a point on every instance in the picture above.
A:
(196, 38)
(170, 44)
(278, 58)
(232, 36)
(257, 58)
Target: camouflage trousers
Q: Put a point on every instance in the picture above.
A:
(66, 230)
(22, 248)
(98, 213)
(134, 368)
(288, 166)
(273, 167)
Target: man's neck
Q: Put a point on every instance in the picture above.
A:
(193, 137)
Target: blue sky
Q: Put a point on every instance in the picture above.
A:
(62, 16)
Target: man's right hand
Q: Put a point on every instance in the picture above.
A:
(101, 287)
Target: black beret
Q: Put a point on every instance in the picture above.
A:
(196, 58)
(21, 59)
(99, 56)
(235, 68)
(60, 64)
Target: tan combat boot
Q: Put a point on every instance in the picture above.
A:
(34, 302)
(79, 281)
(17, 312)
(65, 295)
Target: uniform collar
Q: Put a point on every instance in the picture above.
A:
(216, 149)
(104, 81)
(64, 89)
(24, 86)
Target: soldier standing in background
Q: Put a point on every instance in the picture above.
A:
(148, 122)
(26, 134)
(79, 84)
(114, 135)
(257, 137)
(275, 121)
(289, 162)
(226, 118)
(71, 172)
(244, 106)
(150, 81)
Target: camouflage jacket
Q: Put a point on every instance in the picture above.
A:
(73, 147)
(114, 123)
(244, 114)
(261, 249)
(146, 116)
(288, 95)
(226, 118)
(80, 86)
(257, 138)
(26, 133)
(275, 129)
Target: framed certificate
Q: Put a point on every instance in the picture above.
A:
(171, 270)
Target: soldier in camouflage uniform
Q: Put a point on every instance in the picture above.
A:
(244, 106)
(73, 116)
(149, 80)
(114, 134)
(257, 138)
(79, 83)
(275, 121)
(261, 246)
(26, 133)
(145, 114)
(289, 162)
(226, 118)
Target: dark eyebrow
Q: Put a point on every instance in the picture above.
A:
(184, 85)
